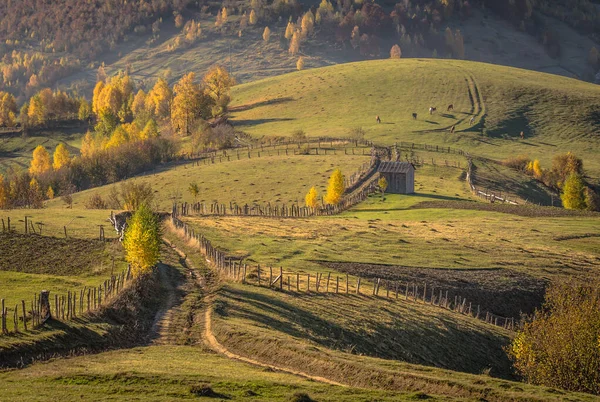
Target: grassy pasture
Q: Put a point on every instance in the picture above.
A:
(167, 373)
(16, 149)
(556, 114)
(276, 179)
(389, 232)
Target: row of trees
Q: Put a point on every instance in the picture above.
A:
(335, 191)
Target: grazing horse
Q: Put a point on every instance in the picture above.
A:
(377, 119)
(450, 107)
(452, 129)
(432, 110)
(472, 121)
(414, 116)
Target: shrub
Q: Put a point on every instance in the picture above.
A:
(95, 202)
(560, 346)
(301, 397)
(134, 195)
(202, 390)
(299, 135)
(357, 134)
(519, 163)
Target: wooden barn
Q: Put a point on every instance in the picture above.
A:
(399, 175)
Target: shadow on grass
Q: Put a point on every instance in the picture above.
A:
(256, 122)
(249, 106)
(445, 342)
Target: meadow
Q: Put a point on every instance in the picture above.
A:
(556, 114)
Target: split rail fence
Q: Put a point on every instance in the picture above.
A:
(488, 195)
(321, 283)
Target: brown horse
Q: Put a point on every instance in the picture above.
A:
(452, 129)
(432, 110)
(450, 107)
(377, 119)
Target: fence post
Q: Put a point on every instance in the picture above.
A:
(24, 315)
(358, 286)
(3, 318)
(280, 278)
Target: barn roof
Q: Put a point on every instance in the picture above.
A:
(395, 167)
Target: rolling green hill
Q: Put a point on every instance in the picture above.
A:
(556, 114)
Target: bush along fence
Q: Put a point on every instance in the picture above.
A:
(321, 283)
(60, 307)
(488, 195)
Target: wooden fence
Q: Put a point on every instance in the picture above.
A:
(318, 282)
(62, 307)
(488, 195)
(28, 226)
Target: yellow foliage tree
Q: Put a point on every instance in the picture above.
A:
(300, 63)
(253, 17)
(559, 346)
(312, 198)
(289, 30)
(61, 157)
(217, 84)
(142, 241)
(36, 114)
(8, 109)
(395, 52)
(96, 97)
(138, 107)
(3, 194)
(35, 194)
(382, 183)
(88, 146)
(335, 188)
(50, 193)
(295, 44)
(185, 103)
(118, 138)
(307, 24)
(41, 161)
(536, 169)
(160, 98)
(150, 130)
(266, 34)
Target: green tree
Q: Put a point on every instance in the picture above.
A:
(560, 346)
(194, 190)
(335, 188)
(85, 110)
(312, 198)
(572, 195)
(142, 240)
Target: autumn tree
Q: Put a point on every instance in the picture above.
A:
(4, 201)
(194, 190)
(253, 17)
(8, 110)
(85, 110)
(217, 84)
(150, 130)
(395, 52)
(61, 157)
(572, 195)
(295, 44)
(35, 194)
(135, 195)
(307, 24)
(382, 183)
(592, 199)
(312, 198)
(185, 103)
(560, 346)
(300, 63)
(159, 99)
(40, 163)
(142, 240)
(50, 193)
(335, 188)
(36, 114)
(289, 30)
(179, 21)
(266, 34)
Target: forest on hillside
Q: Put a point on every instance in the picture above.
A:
(42, 41)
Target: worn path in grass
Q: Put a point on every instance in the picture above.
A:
(164, 318)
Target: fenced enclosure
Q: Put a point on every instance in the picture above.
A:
(64, 307)
(336, 284)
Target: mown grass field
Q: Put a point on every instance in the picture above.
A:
(556, 114)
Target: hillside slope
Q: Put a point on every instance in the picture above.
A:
(555, 114)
